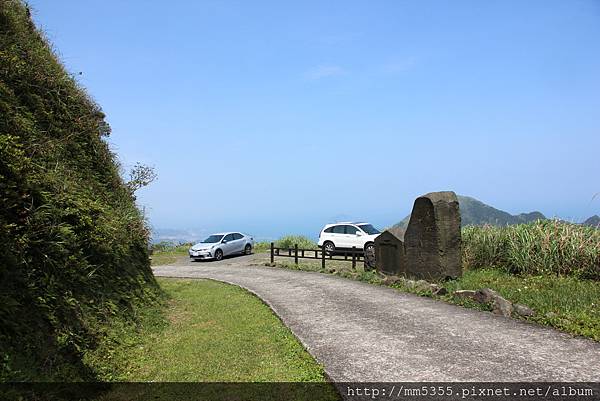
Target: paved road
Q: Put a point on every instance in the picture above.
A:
(362, 332)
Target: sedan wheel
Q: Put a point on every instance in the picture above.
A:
(219, 254)
(248, 249)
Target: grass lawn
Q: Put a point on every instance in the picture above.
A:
(212, 331)
(208, 332)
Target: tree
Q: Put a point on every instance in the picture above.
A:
(140, 176)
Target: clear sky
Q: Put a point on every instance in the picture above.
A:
(277, 117)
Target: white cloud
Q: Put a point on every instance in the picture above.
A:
(324, 71)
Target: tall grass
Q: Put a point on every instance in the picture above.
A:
(539, 248)
(289, 241)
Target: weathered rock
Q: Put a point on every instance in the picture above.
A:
(398, 232)
(486, 295)
(501, 306)
(432, 240)
(465, 294)
(437, 289)
(390, 280)
(421, 285)
(523, 310)
(389, 253)
(434, 287)
(440, 291)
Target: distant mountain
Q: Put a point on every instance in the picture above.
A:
(475, 212)
(593, 221)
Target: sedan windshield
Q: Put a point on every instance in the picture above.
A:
(212, 239)
(369, 229)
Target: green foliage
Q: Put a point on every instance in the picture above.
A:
(540, 248)
(262, 246)
(74, 245)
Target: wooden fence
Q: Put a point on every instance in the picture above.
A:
(353, 255)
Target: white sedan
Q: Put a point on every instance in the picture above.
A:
(216, 246)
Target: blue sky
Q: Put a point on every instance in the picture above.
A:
(274, 117)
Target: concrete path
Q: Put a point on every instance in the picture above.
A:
(363, 332)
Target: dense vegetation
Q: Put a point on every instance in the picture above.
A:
(74, 246)
(545, 247)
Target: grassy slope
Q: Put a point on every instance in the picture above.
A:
(74, 254)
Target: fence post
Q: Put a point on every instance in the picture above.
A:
(323, 258)
(296, 253)
(272, 253)
(353, 257)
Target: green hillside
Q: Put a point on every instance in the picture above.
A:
(74, 246)
(475, 212)
(593, 221)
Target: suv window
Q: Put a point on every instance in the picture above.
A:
(339, 229)
(228, 237)
(329, 230)
(369, 229)
(237, 236)
(351, 230)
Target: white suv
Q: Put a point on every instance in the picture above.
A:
(347, 235)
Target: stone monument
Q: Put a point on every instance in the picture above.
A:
(432, 240)
(389, 254)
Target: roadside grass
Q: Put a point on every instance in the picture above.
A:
(206, 331)
(164, 254)
(544, 247)
(287, 241)
(565, 303)
(262, 247)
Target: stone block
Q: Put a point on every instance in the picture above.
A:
(389, 254)
(432, 240)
